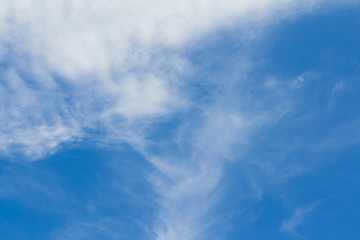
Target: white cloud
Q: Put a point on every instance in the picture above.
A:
(298, 217)
(76, 65)
(118, 57)
(188, 179)
(32, 123)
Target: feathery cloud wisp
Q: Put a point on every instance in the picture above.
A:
(73, 66)
(114, 60)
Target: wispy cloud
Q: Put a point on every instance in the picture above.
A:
(104, 62)
(298, 217)
(189, 166)
(71, 68)
(33, 122)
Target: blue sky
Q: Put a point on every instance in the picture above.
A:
(183, 120)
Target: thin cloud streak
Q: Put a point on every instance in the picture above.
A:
(190, 186)
(298, 217)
